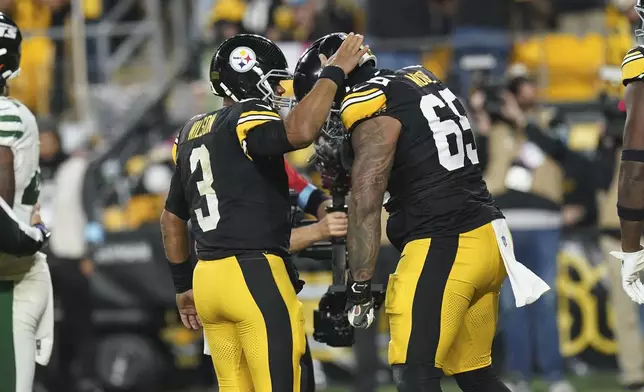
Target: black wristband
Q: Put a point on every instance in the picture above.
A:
(181, 276)
(357, 291)
(336, 74)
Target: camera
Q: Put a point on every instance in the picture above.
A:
(494, 102)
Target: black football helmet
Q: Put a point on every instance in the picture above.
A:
(639, 33)
(10, 51)
(249, 66)
(309, 66)
(332, 148)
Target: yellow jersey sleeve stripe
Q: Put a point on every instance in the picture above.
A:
(631, 54)
(628, 59)
(243, 129)
(257, 117)
(353, 100)
(174, 153)
(259, 113)
(362, 108)
(360, 93)
(633, 69)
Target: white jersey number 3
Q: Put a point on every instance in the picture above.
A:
(443, 128)
(200, 156)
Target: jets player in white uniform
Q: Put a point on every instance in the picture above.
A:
(26, 301)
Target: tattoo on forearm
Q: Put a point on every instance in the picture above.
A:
(7, 180)
(374, 144)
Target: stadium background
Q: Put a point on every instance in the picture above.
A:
(117, 78)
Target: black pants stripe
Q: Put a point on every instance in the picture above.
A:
(266, 294)
(428, 300)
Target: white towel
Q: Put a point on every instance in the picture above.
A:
(526, 286)
(206, 347)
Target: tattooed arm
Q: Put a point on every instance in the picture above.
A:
(631, 173)
(374, 144)
(7, 181)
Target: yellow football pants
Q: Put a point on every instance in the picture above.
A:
(442, 301)
(253, 322)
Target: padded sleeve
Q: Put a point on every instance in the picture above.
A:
(268, 132)
(633, 65)
(363, 101)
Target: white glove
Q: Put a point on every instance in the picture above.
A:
(632, 265)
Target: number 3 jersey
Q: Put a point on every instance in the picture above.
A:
(436, 186)
(230, 181)
(19, 132)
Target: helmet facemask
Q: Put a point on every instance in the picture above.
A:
(268, 83)
(639, 33)
(332, 149)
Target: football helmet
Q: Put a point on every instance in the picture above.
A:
(332, 149)
(10, 51)
(639, 33)
(249, 66)
(309, 66)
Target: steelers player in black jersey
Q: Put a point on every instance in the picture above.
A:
(630, 194)
(231, 184)
(410, 136)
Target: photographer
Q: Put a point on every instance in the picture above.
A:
(525, 172)
(314, 202)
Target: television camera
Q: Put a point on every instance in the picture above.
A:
(333, 160)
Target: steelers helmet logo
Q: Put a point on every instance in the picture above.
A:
(242, 59)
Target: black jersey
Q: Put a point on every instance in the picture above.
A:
(436, 186)
(230, 181)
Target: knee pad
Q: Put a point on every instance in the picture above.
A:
(480, 380)
(417, 378)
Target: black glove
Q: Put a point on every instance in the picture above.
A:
(360, 304)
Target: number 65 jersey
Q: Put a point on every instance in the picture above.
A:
(436, 186)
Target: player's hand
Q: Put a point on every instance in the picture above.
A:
(334, 224)
(348, 55)
(360, 304)
(188, 311)
(87, 267)
(35, 215)
(632, 265)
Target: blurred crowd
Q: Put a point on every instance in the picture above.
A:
(512, 62)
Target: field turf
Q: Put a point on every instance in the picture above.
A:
(599, 382)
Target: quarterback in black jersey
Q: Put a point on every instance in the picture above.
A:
(409, 135)
(231, 184)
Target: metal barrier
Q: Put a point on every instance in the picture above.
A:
(157, 45)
